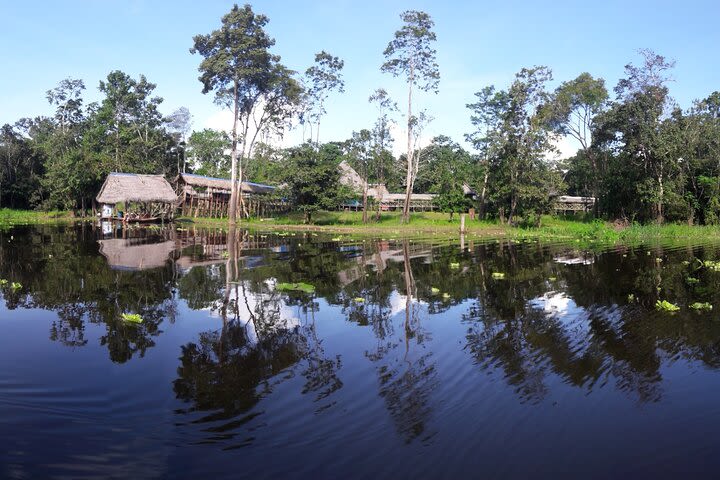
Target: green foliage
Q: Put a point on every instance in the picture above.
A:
(445, 169)
(512, 135)
(312, 178)
(701, 306)
(207, 150)
(295, 287)
(132, 317)
(321, 79)
(410, 53)
(665, 306)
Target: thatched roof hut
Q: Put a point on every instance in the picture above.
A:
(222, 185)
(132, 187)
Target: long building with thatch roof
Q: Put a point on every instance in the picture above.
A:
(203, 196)
(152, 194)
(379, 193)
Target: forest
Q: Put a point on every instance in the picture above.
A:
(645, 158)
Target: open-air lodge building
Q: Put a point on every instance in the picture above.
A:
(202, 196)
(132, 197)
(419, 202)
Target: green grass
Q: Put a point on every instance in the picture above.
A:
(10, 218)
(295, 287)
(587, 233)
(351, 222)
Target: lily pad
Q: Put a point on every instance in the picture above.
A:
(295, 287)
(358, 299)
(16, 285)
(435, 290)
(454, 265)
(498, 276)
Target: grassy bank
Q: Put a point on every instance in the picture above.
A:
(428, 223)
(9, 218)
(552, 228)
(351, 222)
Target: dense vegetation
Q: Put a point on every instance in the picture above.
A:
(644, 157)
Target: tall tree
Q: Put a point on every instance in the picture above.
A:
(126, 131)
(238, 66)
(572, 111)
(632, 126)
(21, 164)
(511, 128)
(359, 151)
(321, 79)
(179, 123)
(410, 54)
(70, 178)
(382, 139)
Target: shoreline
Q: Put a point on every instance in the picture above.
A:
(422, 224)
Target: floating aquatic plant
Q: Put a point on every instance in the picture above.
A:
(701, 306)
(435, 290)
(295, 287)
(132, 317)
(358, 299)
(631, 297)
(454, 265)
(552, 279)
(3, 282)
(16, 285)
(692, 280)
(498, 276)
(665, 306)
(713, 265)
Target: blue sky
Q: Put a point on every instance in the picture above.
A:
(479, 43)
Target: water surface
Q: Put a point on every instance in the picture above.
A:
(411, 358)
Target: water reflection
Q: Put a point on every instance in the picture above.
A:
(537, 318)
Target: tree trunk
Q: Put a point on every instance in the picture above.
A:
(365, 199)
(232, 213)
(482, 196)
(595, 187)
(410, 152)
(659, 207)
(513, 206)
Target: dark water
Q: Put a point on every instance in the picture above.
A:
(410, 359)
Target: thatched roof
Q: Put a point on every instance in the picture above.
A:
(124, 254)
(223, 184)
(132, 187)
(580, 200)
(350, 178)
(413, 196)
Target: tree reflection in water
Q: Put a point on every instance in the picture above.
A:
(406, 371)
(227, 372)
(560, 314)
